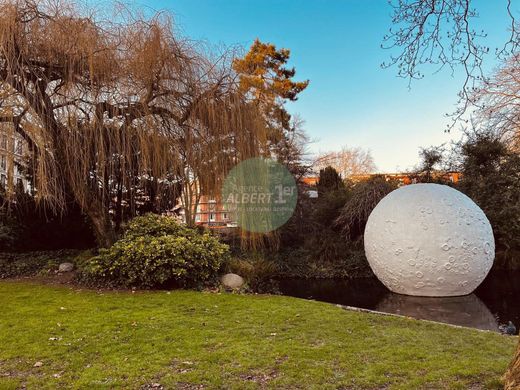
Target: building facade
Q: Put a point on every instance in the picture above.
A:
(410, 178)
(402, 179)
(13, 150)
(212, 212)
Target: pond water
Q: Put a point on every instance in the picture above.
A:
(496, 301)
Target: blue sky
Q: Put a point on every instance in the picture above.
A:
(336, 44)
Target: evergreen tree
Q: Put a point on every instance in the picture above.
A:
(267, 82)
(329, 181)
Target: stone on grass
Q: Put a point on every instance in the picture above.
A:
(232, 281)
(66, 267)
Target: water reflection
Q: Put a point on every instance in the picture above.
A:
(467, 311)
(494, 302)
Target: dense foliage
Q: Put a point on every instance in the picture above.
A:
(329, 181)
(8, 232)
(491, 177)
(14, 265)
(117, 110)
(25, 226)
(363, 199)
(432, 163)
(314, 243)
(266, 79)
(157, 251)
(259, 272)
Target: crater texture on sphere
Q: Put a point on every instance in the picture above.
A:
(429, 240)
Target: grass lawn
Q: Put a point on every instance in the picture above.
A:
(193, 340)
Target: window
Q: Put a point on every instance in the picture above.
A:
(212, 217)
(3, 180)
(4, 141)
(197, 218)
(225, 216)
(19, 183)
(3, 163)
(19, 147)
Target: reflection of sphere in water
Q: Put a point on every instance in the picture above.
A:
(429, 240)
(467, 310)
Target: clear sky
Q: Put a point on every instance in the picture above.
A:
(336, 44)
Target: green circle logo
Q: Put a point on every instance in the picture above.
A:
(261, 194)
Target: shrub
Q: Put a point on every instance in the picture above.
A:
(364, 198)
(26, 226)
(304, 263)
(490, 176)
(156, 226)
(330, 180)
(259, 272)
(7, 236)
(157, 251)
(14, 265)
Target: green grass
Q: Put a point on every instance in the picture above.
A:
(191, 340)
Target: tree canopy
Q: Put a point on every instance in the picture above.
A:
(107, 106)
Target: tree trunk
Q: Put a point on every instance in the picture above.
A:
(118, 217)
(103, 229)
(512, 377)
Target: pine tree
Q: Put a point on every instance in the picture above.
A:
(268, 83)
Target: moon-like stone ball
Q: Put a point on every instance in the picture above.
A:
(429, 240)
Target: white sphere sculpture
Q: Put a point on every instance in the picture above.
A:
(429, 240)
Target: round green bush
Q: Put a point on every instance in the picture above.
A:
(156, 226)
(157, 251)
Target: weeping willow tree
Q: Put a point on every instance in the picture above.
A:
(109, 106)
